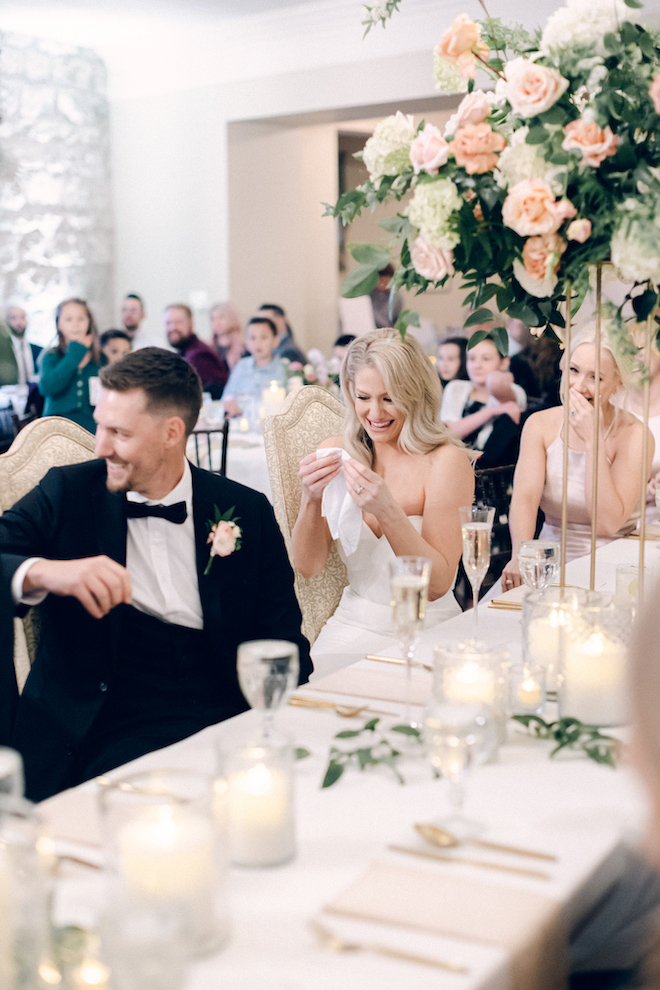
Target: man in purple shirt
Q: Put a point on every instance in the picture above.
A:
(213, 370)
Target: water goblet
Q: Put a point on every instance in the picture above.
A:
(538, 561)
(268, 675)
(476, 528)
(456, 735)
(409, 586)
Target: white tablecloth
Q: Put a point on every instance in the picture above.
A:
(246, 457)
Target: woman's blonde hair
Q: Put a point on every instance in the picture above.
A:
(587, 335)
(412, 384)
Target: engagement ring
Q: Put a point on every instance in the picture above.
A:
(359, 489)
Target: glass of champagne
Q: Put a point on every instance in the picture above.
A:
(409, 586)
(456, 735)
(268, 675)
(476, 527)
(538, 561)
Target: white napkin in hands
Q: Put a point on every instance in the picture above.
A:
(343, 515)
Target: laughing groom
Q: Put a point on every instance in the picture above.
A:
(143, 609)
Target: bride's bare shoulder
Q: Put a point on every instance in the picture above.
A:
(449, 457)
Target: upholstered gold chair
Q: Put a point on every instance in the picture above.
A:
(307, 417)
(42, 444)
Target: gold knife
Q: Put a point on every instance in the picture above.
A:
(427, 854)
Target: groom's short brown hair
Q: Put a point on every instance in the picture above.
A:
(168, 381)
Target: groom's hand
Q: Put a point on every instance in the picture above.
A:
(99, 583)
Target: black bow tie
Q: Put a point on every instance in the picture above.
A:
(176, 513)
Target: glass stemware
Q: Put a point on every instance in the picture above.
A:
(268, 675)
(476, 528)
(538, 561)
(409, 586)
(456, 735)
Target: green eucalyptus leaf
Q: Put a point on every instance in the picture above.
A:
(371, 725)
(555, 115)
(365, 758)
(348, 734)
(408, 318)
(370, 254)
(635, 4)
(645, 304)
(302, 753)
(537, 135)
(360, 282)
(501, 338)
(407, 730)
(481, 315)
(476, 338)
(332, 774)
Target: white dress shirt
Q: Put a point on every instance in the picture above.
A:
(23, 354)
(160, 558)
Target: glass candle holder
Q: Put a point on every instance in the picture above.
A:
(548, 620)
(473, 673)
(594, 688)
(259, 802)
(527, 694)
(627, 584)
(165, 850)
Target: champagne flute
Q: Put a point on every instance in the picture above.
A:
(409, 587)
(538, 561)
(456, 736)
(476, 527)
(268, 675)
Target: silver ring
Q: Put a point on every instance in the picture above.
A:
(359, 489)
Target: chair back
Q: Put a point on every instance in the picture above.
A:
(41, 445)
(308, 416)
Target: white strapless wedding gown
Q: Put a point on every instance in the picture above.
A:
(363, 619)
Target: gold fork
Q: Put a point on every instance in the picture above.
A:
(332, 942)
(345, 711)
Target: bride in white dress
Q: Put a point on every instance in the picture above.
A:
(408, 475)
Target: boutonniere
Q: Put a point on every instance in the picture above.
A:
(224, 535)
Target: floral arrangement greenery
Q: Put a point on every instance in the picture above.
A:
(553, 170)
(369, 747)
(570, 733)
(317, 371)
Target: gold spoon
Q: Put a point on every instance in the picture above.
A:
(443, 839)
(345, 711)
(332, 942)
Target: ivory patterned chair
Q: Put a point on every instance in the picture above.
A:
(42, 444)
(307, 417)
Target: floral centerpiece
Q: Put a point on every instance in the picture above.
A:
(316, 371)
(552, 170)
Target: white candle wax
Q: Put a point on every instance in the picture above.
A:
(167, 853)
(529, 692)
(545, 641)
(470, 683)
(272, 398)
(244, 424)
(594, 689)
(261, 829)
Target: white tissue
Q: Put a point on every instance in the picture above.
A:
(343, 515)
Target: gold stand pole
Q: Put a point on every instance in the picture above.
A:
(648, 337)
(594, 469)
(564, 478)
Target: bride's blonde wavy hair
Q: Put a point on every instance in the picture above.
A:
(412, 384)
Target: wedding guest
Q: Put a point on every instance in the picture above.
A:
(227, 334)
(407, 474)
(485, 410)
(452, 364)
(538, 479)
(341, 345)
(286, 347)
(380, 300)
(67, 368)
(18, 357)
(139, 639)
(180, 332)
(132, 316)
(254, 373)
(115, 344)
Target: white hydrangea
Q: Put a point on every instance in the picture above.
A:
(447, 77)
(387, 152)
(635, 251)
(520, 160)
(541, 288)
(584, 22)
(431, 207)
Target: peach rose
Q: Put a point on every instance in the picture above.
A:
(654, 93)
(530, 208)
(429, 150)
(579, 231)
(460, 45)
(473, 109)
(532, 88)
(541, 255)
(594, 143)
(431, 262)
(564, 209)
(475, 147)
(223, 538)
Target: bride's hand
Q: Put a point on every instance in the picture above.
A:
(315, 474)
(367, 489)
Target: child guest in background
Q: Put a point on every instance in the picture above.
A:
(115, 344)
(67, 368)
(452, 363)
(253, 374)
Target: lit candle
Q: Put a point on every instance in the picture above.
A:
(91, 973)
(594, 689)
(272, 398)
(261, 828)
(529, 693)
(545, 641)
(244, 424)
(167, 853)
(470, 683)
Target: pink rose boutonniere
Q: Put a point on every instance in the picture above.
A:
(224, 535)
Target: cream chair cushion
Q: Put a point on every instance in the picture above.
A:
(42, 444)
(308, 416)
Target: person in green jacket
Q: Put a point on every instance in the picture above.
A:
(66, 369)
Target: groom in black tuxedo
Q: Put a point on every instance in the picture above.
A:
(139, 634)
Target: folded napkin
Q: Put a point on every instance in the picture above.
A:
(343, 515)
(379, 685)
(527, 925)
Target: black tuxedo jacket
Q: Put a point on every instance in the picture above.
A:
(71, 514)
